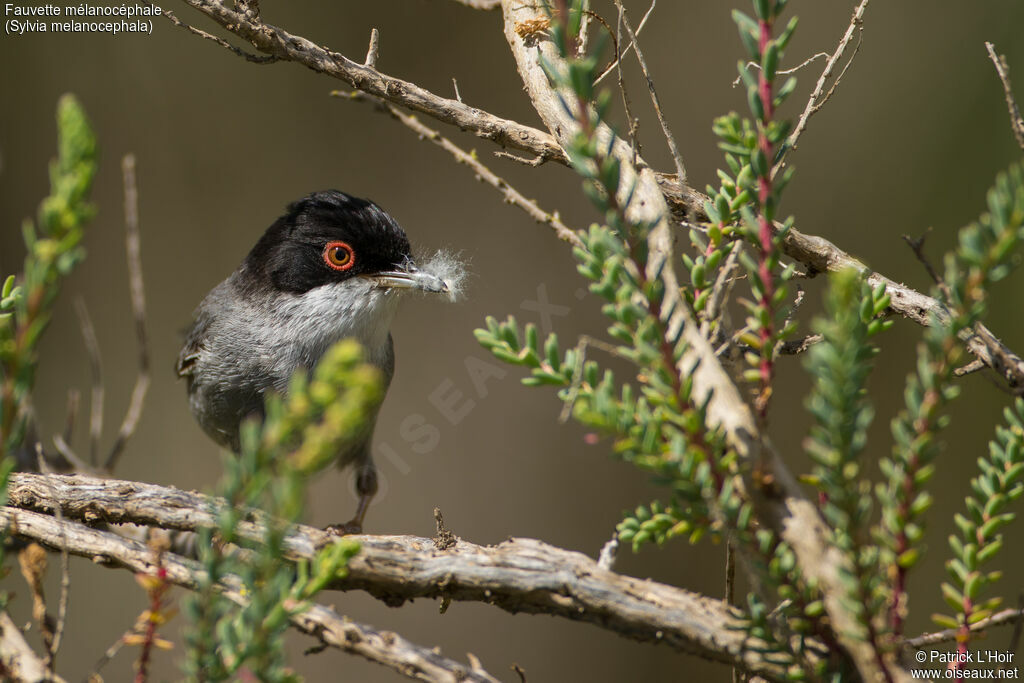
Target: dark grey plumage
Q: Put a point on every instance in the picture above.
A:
(288, 302)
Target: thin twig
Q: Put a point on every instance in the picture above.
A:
(96, 399)
(65, 579)
(818, 96)
(794, 347)
(247, 56)
(1003, 70)
(975, 365)
(71, 413)
(138, 300)
(655, 100)
(632, 123)
(1002, 618)
(620, 57)
(512, 196)
(534, 162)
(1018, 626)
(275, 41)
(784, 72)
(916, 245)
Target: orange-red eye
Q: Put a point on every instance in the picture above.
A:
(339, 256)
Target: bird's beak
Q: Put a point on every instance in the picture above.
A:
(412, 278)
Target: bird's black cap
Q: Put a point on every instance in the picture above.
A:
(290, 256)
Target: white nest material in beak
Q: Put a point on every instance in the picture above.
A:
(449, 268)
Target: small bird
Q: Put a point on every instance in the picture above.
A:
(331, 267)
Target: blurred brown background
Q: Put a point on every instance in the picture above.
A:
(913, 138)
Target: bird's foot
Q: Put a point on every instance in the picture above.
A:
(350, 527)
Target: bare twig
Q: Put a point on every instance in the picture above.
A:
(96, 398)
(519, 575)
(655, 100)
(784, 72)
(619, 57)
(535, 162)
(138, 300)
(512, 196)
(65, 582)
(797, 346)
(632, 123)
(71, 413)
(1003, 70)
(916, 245)
(1001, 618)
(975, 365)
(283, 45)
(818, 96)
(255, 59)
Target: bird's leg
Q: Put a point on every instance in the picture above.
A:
(366, 487)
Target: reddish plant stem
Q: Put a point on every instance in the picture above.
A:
(764, 225)
(156, 595)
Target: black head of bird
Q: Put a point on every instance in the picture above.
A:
(332, 267)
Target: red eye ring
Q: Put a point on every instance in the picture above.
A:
(339, 256)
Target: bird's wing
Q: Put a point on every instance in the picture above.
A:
(193, 347)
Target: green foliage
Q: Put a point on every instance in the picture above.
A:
(753, 191)
(53, 247)
(999, 483)
(300, 436)
(840, 365)
(984, 255)
(26, 300)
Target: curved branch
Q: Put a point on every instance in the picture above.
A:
(323, 623)
(286, 46)
(519, 575)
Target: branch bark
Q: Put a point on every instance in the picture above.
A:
(519, 575)
(279, 43)
(323, 623)
(18, 661)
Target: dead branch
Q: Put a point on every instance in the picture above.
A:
(323, 623)
(819, 97)
(1003, 71)
(283, 45)
(483, 173)
(519, 575)
(138, 301)
(655, 100)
